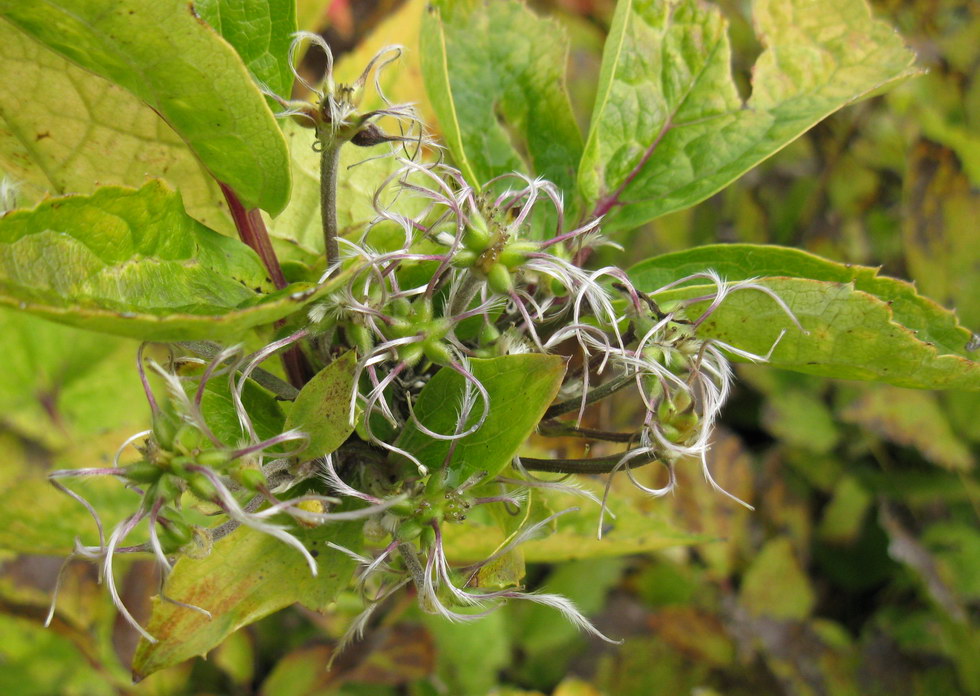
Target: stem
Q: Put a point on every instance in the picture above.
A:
(598, 465)
(251, 230)
(600, 392)
(329, 165)
(553, 428)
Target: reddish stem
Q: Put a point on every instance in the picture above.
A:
(251, 230)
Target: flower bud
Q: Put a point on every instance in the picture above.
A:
(202, 487)
(499, 279)
(143, 472)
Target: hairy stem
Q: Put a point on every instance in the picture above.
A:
(329, 165)
(597, 465)
(553, 428)
(600, 392)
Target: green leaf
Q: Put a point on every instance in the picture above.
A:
(221, 416)
(165, 55)
(861, 325)
(775, 584)
(521, 387)
(260, 31)
(495, 74)
(247, 576)
(311, 15)
(322, 409)
(401, 81)
(669, 127)
(65, 130)
(133, 263)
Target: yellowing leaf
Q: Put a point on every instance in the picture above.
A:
(165, 55)
(65, 130)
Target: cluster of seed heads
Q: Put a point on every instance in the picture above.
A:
(472, 273)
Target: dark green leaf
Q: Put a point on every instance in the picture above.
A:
(322, 409)
(495, 74)
(219, 412)
(164, 54)
(521, 388)
(669, 127)
(261, 31)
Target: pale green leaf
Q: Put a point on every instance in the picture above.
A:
(42, 519)
(909, 418)
(61, 384)
(165, 55)
(322, 409)
(669, 127)
(134, 263)
(521, 387)
(401, 81)
(861, 325)
(495, 74)
(65, 130)
(248, 575)
(636, 528)
(775, 585)
(261, 31)
(311, 15)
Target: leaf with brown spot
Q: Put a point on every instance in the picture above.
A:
(247, 576)
(322, 409)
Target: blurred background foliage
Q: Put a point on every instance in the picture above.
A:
(858, 572)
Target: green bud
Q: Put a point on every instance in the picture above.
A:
(167, 487)
(515, 254)
(489, 334)
(188, 439)
(401, 328)
(465, 258)
(251, 479)
(476, 236)
(403, 508)
(428, 537)
(359, 337)
(437, 351)
(499, 279)
(143, 472)
(422, 310)
(400, 307)
(178, 465)
(411, 353)
(164, 430)
(214, 458)
(408, 530)
(201, 486)
(175, 535)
